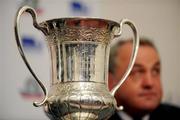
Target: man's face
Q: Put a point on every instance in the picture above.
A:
(142, 89)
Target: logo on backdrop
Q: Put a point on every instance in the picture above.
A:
(78, 7)
(30, 44)
(31, 90)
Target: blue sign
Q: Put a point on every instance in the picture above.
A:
(78, 7)
(31, 44)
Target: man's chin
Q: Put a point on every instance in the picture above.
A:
(149, 106)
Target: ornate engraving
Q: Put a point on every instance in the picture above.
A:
(76, 99)
(78, 34)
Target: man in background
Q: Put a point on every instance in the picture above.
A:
(141, 94)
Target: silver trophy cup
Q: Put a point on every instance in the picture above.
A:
(79, 50)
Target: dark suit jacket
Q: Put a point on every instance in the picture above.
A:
(163, 112)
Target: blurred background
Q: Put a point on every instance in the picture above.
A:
(156, 19)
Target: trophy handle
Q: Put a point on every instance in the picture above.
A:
(133, 56)
(16, 28)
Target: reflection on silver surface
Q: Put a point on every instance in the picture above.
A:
(81, 61)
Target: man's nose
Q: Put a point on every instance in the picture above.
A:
(147, 81)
